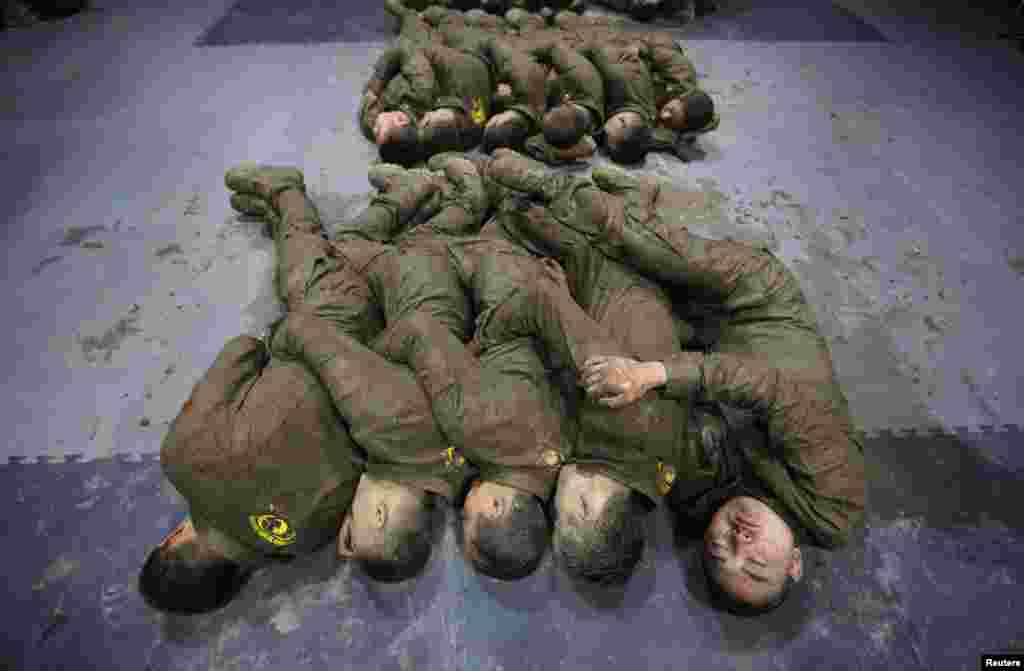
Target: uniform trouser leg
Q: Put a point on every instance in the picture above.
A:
(311, 276)
(299, 241)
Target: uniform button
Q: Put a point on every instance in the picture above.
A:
(552, 458)
(461, 461)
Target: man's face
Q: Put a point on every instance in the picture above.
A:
(749, 550)
(485, 499)
(379, 509)
(673, 114)
(386, 123)
(616, 126)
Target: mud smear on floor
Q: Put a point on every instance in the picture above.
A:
(168, 250)
(75, 235)
(886, 387)
(859, 125)
(38, 269)
(977, 397)
(59, 568)
(1015, 262)
(95, 348)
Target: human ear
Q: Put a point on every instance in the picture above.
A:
(796, 567)
(345, 549)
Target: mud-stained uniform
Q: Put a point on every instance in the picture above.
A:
(270, 446)
(768, 357)
(430, 75)
(260, 454)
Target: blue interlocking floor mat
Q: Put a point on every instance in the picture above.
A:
(934, 582)
(315, 21)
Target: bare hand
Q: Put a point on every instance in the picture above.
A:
(613, 381)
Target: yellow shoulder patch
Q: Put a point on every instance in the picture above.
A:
(273, 528)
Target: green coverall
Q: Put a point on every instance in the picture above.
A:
(507, 424)
(431, 75)
(641, 72)
(264, 449)
(769, 356)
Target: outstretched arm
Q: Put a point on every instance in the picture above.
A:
(669, 63)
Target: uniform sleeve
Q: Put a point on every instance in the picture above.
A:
(384, 417)
(668, 62)
(391, 94)
(525, 76)
(814, 463)
(578, 78)
(445, 369)
(539, 148)
(370, 108)
(500, 415)
(418, 70)
(389, 64)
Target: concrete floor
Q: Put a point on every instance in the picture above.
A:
(885, 173)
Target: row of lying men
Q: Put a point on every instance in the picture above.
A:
(550, 87)
(553, 354)
(642, 10)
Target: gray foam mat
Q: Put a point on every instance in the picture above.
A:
(316, 21)
(933, 583)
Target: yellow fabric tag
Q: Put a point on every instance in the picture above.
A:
(478, 114)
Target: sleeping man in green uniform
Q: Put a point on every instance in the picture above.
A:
(510, 423)
(624, 462)
(269, 448)
(650, 93)
(519, 70)
(424, 97)
(805, 481)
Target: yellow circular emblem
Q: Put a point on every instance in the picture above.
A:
(273, 528)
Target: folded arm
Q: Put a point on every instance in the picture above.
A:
(815, 463)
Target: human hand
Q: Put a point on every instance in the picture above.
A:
(615, 381)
